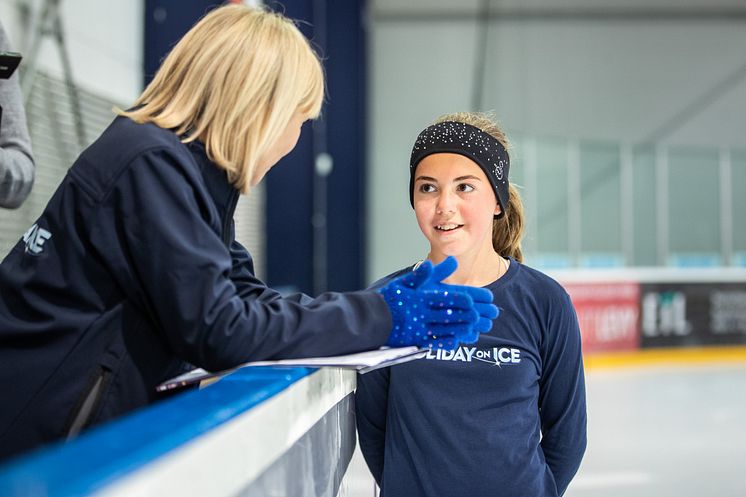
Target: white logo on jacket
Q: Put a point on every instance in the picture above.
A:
(496, 355)
(34, 239)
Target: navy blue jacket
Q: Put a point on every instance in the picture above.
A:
(130, 276)
(505, 416)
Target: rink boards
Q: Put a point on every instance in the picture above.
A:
(268, 431)
(634, 309)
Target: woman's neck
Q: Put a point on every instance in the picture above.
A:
(479, 269)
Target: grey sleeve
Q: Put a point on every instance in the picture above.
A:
(16, 160)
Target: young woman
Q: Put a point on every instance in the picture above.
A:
(506, 415)
(132, 273)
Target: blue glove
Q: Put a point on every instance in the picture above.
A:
(481, 296)
(429, 313)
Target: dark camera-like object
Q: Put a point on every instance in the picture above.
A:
(8, 64)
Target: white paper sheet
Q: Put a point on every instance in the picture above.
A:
(363, 362)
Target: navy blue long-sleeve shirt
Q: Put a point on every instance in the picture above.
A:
(505, 416)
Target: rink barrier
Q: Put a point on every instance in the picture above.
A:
(258, 431)
(641, 312)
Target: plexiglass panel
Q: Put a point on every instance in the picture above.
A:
(600, 204)
(694, 206)
(643, 210)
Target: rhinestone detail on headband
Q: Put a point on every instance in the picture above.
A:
(467, 140)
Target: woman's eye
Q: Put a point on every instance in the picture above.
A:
(427, 188)
(465, 187)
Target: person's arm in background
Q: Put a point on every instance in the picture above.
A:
(562, 397)
(16, 161)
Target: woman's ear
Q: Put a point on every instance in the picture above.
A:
(498, 209)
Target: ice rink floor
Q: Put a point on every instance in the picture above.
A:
(653, 431)
(665, 431)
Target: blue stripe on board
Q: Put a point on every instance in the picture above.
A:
(105, 454)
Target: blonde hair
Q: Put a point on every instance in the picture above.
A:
(233, 82)
(507, 231)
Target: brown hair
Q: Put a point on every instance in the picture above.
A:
(507, 231)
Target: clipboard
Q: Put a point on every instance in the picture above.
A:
(362, 362)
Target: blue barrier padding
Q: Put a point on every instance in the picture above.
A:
(104, 454)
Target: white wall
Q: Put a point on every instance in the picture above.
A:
(619, 80)
(104, 41)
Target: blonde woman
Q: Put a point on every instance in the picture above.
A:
(131, 274)
(504, 416)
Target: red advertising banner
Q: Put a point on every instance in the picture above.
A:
(608, 313)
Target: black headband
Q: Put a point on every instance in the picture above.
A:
(467, 140)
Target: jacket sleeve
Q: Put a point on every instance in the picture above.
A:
(371, 406)
(16, 162)
(248, 285)
(156, 232)
(562, 394)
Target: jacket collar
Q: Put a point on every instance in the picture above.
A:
(224, 194)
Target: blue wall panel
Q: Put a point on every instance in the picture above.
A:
(336, 29)
(166, 21)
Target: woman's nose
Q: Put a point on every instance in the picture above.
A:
(445, 204)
